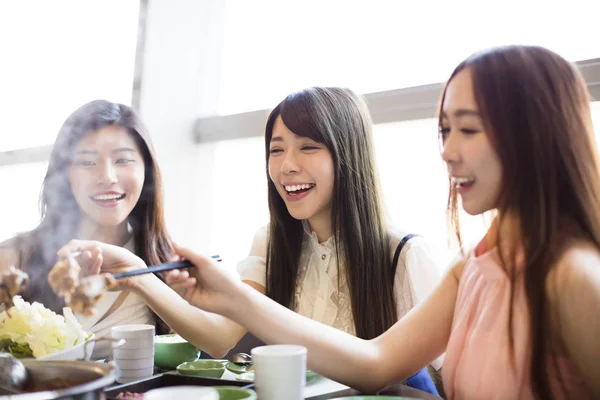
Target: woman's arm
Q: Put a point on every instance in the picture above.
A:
(420, 278)
(574, 293)
(209, 332)
(212, 333)
(368, 365)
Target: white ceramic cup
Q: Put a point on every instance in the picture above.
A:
(279, 372)
(139, 345)
(182, 393)
(136, 331)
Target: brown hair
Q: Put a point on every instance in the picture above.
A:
(61, 215)
(340, 120)
(535, 108)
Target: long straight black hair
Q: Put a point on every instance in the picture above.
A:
(340, 120)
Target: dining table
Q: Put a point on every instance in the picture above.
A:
(319, 389)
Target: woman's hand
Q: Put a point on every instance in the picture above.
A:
(206, 285)
(97, 257)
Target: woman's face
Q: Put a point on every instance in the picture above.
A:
(107, 175)
(473, 165)
(302, 170)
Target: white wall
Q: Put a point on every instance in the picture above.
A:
(180, 83)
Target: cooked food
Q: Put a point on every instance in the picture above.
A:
(80, 293)
(12, 281)
(89, 292)
(51, 384)
(64, 277)
(172, 338)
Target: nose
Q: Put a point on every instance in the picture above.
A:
(107, 174)
(450, 152)
(290, 163)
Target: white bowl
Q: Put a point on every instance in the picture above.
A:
(135, 364)
(77, 352)
(182, 393)
(133, 354)
(132, 331)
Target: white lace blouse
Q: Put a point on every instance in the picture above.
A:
(318, 295)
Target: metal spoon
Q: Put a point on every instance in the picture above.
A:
(241, 359)
(13, 374)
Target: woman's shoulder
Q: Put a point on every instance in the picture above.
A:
(259, 242)
(410, 240)
(576, 272)
(9, 252)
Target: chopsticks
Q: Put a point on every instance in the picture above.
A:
(160, 268)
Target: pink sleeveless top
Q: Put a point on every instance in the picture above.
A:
(478, 363)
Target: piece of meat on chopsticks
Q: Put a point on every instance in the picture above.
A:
(64, 277)
(12, 281)
(80, 293)
(89, 292)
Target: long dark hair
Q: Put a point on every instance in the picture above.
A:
(340, 120)
(61, 215)
(535, 108)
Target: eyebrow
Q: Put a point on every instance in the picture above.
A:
(462, 112)
(123, 150)
(276, 139)
(119, 150)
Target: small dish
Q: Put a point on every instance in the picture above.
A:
(235, 393)
(205, 368)
(239, 368)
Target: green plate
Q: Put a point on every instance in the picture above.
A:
(237, 368)
(235, 393)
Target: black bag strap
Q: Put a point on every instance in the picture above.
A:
(399, 250)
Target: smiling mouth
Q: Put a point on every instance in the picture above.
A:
(107, 198)
(294, 190)
(460, 183)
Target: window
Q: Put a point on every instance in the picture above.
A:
(413, 180)
(21, 184)
(63, 55)
(272, 48)
(58, 56)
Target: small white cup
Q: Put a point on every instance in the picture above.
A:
(139, 345)
(133, 354)
(138, 331)
(182, 393)
(279, 372)
(141, 373)
(132, 344)
(136, 364)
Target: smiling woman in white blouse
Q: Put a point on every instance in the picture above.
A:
(327, 253)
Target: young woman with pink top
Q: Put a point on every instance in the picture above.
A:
(518, 316)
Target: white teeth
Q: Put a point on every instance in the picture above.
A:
(461, 181)
(294, 188)
(105, 197)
